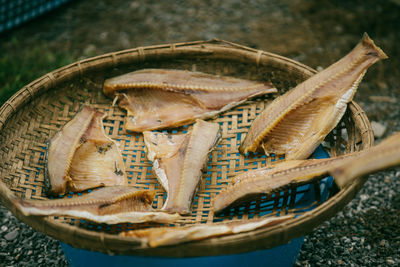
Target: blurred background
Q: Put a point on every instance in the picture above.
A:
(313, 32)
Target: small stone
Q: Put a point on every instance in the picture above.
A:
(103, 36)
(338, 248)
(11, 235)
(378, 128)
(135, 5)
(124, 39)
(338, 29)
(382, 85)
(317, 258)
(89, 49)
(382, 99)
(390, 261)
(339, 262)
(4, 228)
(308, 246)
(318, 50)
(383, 242)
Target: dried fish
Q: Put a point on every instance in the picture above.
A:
(111, 205)
(178, 159)
(343, 168)
(81, 156)
(267, 180)
(161, 98)
(165, 236)
(382, 156)
(298, 121)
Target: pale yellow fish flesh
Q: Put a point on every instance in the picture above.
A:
(162, 98)
(81, 156)
(178, 160)
(295, 123)
(165, 236)
(344, 170)
(111, 205)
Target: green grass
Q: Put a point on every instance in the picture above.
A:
(19, 65)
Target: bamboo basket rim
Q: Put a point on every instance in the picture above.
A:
(238, 243)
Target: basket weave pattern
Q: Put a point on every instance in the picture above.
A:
(32, 116)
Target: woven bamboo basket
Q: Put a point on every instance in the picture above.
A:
(36, 112)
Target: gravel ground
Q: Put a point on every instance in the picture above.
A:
(20, 245)
(316, 33)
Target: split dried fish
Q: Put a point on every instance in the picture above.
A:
(161, 98)
(178, 159)
(165, 236)
(81, 156)
(343, 168)
(111, 205)
(298, 121)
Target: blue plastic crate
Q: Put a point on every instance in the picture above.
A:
(15, 12)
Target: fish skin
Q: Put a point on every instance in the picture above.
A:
(161, 98)
(81, 156)
(111, 205)
(178, 160)
(165, 236)
(295, 123)
(344, 169)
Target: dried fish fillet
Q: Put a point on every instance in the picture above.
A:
(344, 170)
(165, 236)
(161, 98)
(81, 156)
(298, 121)
(111, 205)
(62, 148)
(382, 156)
(178, 159)
(268, 180)
(97, 161)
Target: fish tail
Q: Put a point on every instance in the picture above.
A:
(371, 48)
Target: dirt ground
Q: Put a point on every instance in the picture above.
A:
(315, 32)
